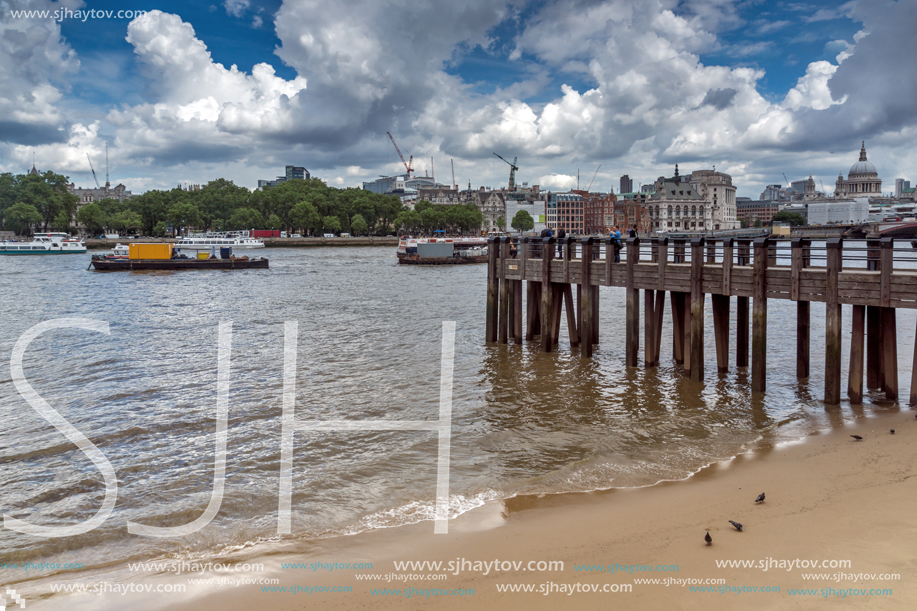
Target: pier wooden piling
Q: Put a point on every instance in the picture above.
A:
(688, 272)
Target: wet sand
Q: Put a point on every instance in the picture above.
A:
(828, 498)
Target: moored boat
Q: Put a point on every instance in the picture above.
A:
(441, 251)
(44, 244)
(143, 257)
(209, 241)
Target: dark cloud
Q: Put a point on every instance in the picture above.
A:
(719, 98)
(30, 134)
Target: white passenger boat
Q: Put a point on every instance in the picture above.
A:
(44, 244)
(208, 241)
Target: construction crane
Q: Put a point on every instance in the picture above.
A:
(98, 186)
(408, 165)
(786, 179)
(593, 177)
(512, 172)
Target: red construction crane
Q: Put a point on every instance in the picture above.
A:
(408, 165)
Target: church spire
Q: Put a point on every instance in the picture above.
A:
(863, 151)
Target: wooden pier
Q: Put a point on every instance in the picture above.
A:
(861, 273)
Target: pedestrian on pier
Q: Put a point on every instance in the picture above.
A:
(633, 231)
(616, 243)
(561, 234)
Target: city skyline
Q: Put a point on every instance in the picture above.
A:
(755, 89)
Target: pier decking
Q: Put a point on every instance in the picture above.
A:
(868, 274)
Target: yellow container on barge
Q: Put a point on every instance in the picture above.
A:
(150, 251)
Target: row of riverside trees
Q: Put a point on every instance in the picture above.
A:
(35, 202)
(41, 202)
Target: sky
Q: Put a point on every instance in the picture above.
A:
(188, 92)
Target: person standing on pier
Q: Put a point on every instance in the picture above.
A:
(561, 234)
(616, 234)
(633, 231)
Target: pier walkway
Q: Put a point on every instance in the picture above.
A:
(871, 275)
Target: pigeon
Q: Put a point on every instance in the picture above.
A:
(738, 526)
(760, 498)
(708, 538)
(893, 431)
(857, 437)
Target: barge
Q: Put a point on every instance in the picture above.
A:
(441, 251)
(164, 257)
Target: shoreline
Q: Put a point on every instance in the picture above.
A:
(96, 243)
(828, 497)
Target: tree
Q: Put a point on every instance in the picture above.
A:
(785, 216)
(159, 229)
(358, 225)
(523, 221)
(246, 218)
(331, 224)
(125, 221)
(22, 216)
(501, 222)
(757, 223)
(305, 217)
(184, 214)
(92, 218)
(274, 222)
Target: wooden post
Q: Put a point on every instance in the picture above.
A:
(632, 322)
(697, 310)
(759, 317)
(913, 398)
(727, 266)
(875, 366)
(547, 295)
(711, 251)
(572, 329)
(679, 251)
(799, 262)
(889, 322)
(657, 335)
(493, 286)
(662, 246)
(855, 376)
(586, 290)
(517, 313)
(649, 329)
(833, 322)
(678, 326)
(595, 315)
(503, 321)
(558, 296)
(742, 311)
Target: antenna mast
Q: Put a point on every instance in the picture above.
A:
(107, 183)
(454, 184)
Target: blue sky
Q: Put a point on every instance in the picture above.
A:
(757, 88)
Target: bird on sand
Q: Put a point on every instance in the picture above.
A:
(857, 437)
(760, 498)
(708, 538)
(893, 431)
(738, 526)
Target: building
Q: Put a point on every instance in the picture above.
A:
(862, 179)
(627, 184)
(439, 195)
(292, 173)
(566, 211)
(493, 206)
(775, 192)
(748, 211)
(838, 212)
(676, 206)
(717, 190)
(900, 186)
(649, 188)
(599, 213)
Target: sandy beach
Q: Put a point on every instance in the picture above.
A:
(842, 505)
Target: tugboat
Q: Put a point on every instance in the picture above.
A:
(441, 251)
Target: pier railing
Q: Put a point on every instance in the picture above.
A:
(870, 275)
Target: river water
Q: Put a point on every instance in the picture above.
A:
(369, 342)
